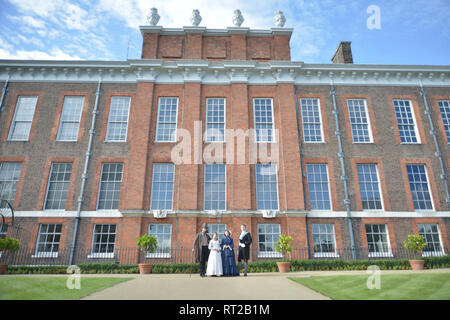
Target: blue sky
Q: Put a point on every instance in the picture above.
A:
(414, 32)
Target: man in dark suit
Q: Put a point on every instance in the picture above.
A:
(245, 240)
(200, 246)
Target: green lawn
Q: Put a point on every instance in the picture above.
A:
(434, 286)
(51, 288)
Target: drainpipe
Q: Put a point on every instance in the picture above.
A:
(343, 176)
(300, 147)
(5, 89)
(85, 172)
(438, 154)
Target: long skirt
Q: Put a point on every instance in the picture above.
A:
(214, 264)
(229, 263)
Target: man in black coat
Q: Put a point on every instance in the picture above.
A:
(245, 240)
(200, 246)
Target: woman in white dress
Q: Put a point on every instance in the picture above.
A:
(215, 258)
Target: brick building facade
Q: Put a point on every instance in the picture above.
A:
(357, 153)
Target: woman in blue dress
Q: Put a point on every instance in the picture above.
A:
(228, 260)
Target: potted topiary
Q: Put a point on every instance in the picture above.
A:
(283, 245)
(7, 244)
(415, 244)
(148, 245)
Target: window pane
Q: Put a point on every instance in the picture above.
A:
(110, 183)
(215, 119)
(267, 237)
(70, 118)
(311, 120)
(369, 187)
(58, 186)
(432, 237)
(163, 234)
(162, 186)
(167, 120)
(48, 238)
(418, 184)
(444, 109)
(262, 109)
(359, 120)
(9, 177)
(215, 187)
(104, 238)
(319, 195)
(405, 121)
(377, 238)
(23, 117)
(266, 187)
(118, 119)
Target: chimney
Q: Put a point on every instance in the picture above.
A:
(343, 53)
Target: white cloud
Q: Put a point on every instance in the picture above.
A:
(54, 54)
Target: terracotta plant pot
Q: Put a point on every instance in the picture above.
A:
(3, 268)
(416, 264)
(283, 266)
(145, 268)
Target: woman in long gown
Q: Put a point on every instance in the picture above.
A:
(228, 260)
(215, 259)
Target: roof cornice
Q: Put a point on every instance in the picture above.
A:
(222, 72)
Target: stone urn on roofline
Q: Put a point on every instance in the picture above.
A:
(153, 17)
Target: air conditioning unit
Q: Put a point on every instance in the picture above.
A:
(269, 213)
(159, 213)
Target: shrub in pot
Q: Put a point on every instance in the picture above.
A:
(415, 244)
(7, 244)
(148, 245)
(283, 245)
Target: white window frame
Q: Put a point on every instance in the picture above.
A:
(269, 254)
(43, 254)
(322, 138)
(434, 253)
(48, 186)
(204, 186)
(380, 254)
(326, 254)
(278, 191)
(329, 189)
(379, 188)
(61, 119)
(12, 181)
(429, 188)
(224, 121)
(369, 126)
(442, 118)
(273, 121)
(109, 120)
(416, 129)
(100, 185)
(173, 184)
(163, 255)
(13, 123)
(157, 121)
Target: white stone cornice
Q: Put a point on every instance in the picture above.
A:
(222, 72)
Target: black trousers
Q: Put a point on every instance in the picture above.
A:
(204, 255)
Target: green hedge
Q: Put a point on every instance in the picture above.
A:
(260, 266)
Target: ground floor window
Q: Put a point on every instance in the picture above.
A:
(217, 227)
(324, 240)
(3, 230)
(267, 237)
(103, 240)
(430, 231)
(377, 240)
(163, 234)
(48, 240)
